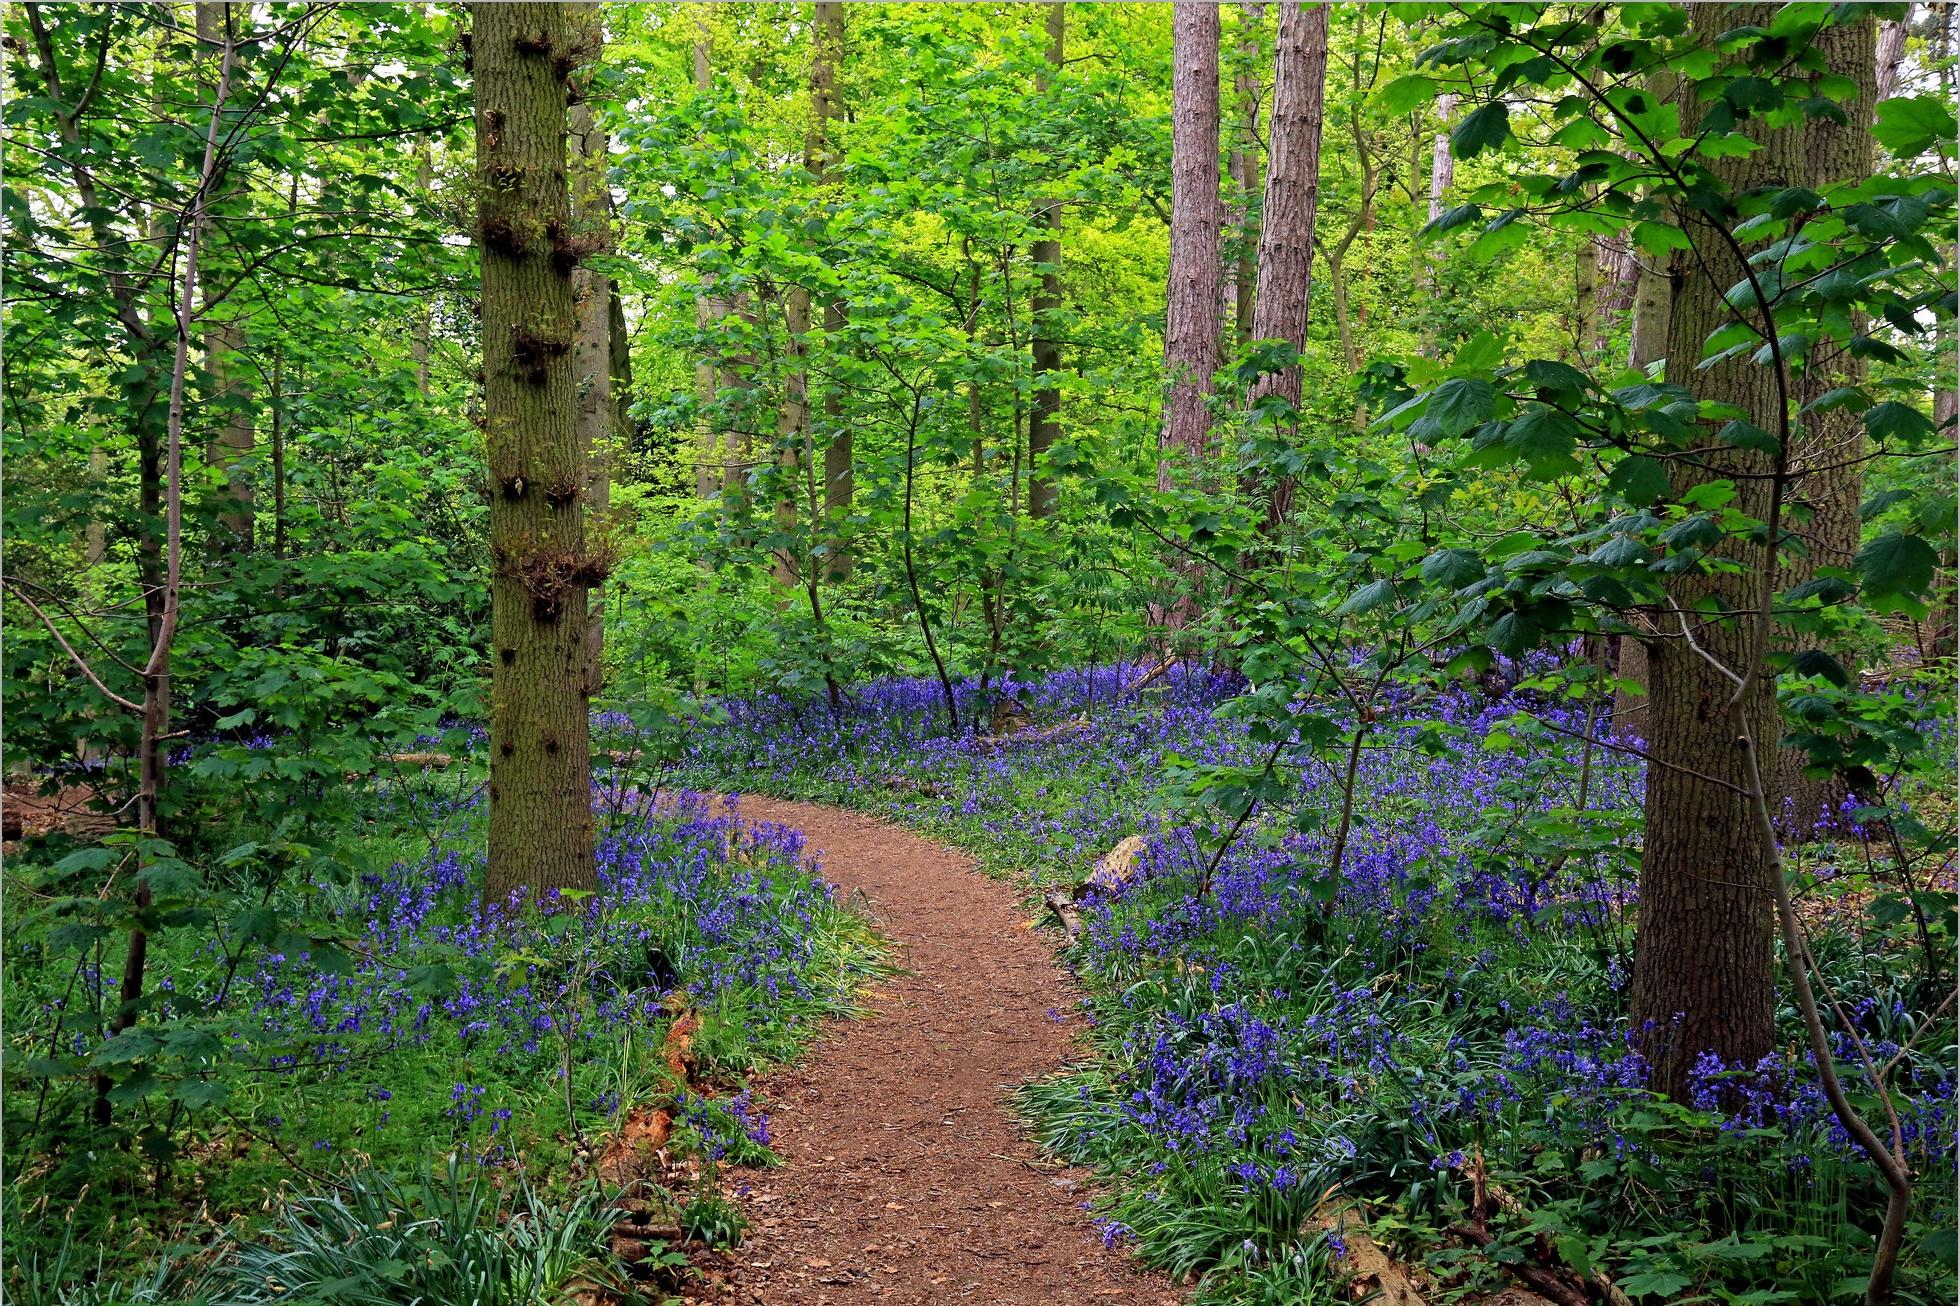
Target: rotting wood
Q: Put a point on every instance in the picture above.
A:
(1363, 1258)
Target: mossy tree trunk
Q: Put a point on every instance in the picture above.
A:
(541, 836)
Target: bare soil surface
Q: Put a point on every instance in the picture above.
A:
(905, 1177)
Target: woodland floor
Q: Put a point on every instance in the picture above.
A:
(905, 1176)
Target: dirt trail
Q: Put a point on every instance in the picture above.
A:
(905, 1177)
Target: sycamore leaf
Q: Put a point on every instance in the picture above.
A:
(1486, 129)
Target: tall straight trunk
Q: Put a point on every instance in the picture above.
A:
(1442, 174)
(1243, 166)
(592, 307)
(228, 448)
(839, 453)
(1828, 452)
(541, 835)
(711, 474)
(1286, 238)
(1888, 56)
(792, 436)
(1191, 352)
(1703, 977)
(418, 345)
(1044, 423)
(1653, 308)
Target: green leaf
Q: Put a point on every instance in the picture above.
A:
(1406, 94)
(1485, 129)
(1452, 568)
(1893, 420)
(1639, 480)
(1910, 126)
(1459, 404)
(1369, 597)
(120, 1049)
(1896, 563)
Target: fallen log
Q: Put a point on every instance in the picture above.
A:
(1021, 736)
(1149, 677)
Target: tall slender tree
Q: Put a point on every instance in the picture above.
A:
(839, 450)
(1191, 318)
(1286, 236)
(1044, 421)
(228, 447)
(541, 835)
(1248, 144)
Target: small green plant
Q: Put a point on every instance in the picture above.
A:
(450, 1237)
(710, 1218)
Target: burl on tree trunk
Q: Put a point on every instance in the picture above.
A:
(541, 835)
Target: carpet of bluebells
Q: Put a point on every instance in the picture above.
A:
(410, 1021)
(1451, 1003)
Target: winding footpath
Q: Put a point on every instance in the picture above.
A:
(905, 1177)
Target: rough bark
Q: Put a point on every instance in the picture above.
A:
(792, 435)
(1889, 56)
(541, 836)
(228, 448)
(1191, 349)
(592, 307)
(839, 454)
(1653, 306)
(1703, 978)
(1829, 482)
(1044, 420)
(1286, 236)
(1243, 167)
(710, 473)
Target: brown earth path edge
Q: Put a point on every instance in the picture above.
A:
(905, 1176)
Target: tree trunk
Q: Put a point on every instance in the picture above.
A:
(710, 473)
(1191, 353)
(1703, 978)
(418, 345)
(1044, 423)
(1828, 477)
(229, 447)
(1889, 55)
(1442, 173)
(592, 307)
(541, 836)
(792, 436)
(1244, 167)
(839, 451)
(1286, 238)
(1653, 308)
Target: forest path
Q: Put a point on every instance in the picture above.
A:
(905, 1178)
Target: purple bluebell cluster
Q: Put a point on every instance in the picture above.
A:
(1456, 988)
(441, 1019)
